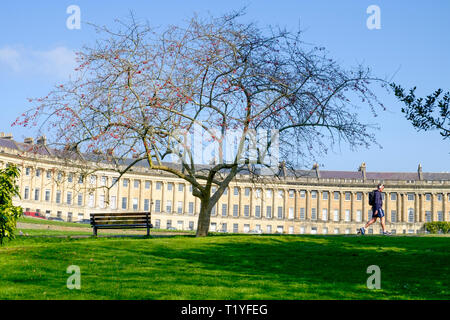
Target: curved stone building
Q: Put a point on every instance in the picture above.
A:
(312, 202)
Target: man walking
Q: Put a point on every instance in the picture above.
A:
(377, 211)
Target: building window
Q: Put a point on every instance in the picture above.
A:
(439, 197)
(58, 196)
(47, 195)
(236, 191)
(235, 228)
(93, 179)
(191, 207)
(313, 194)
(410, 215)
(80, 199)
(336, 230)
(393, 196)
(135, 204)
(103, 181)
(291, 230)
(269, 194)
(180, 187)
(428, 217)
(410, 196)
(113, 202)
(180, 207)
(428, 197)
(325, 230)
(324, 214)
(26, 193)
(279, 229)
(36, 194)
(359, 196)
(147, 185)
(27, 171)
(347, 215)
(280, 212)
(269, 212)
(313, 214)
(302, 213)
(224, 227)
(258, 193)
(336, 215)
(358, 215)
(169, 224)
(247, 192)
(213, 226)
(258, 211)
(440, 216)
(137, 184)
(70, 178)
(269, 229)
(347, 196)
(246, 210)
(169, 206)
(191, 225)
(157, 224)
(314, 230)
(158, 185)
(125, 183)
(91, 200)
(325, 195)
(302, 193)
(280, 194)
(158, 206)
(213, 210)
(246, 228)
(124, 202)
(69, 216)
(291, 213)
(291, 193)
(336, 195)
(393, 216)
(38, 172)
(80, 179)
(302, 230)
(69, 197)
(146, 205)
(225, 192)
(169, 186)
(224, 210)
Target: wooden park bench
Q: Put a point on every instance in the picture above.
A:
(124, 220)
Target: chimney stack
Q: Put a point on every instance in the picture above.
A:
(28, 141)
(7, 136)
(42, 140)
(316, 167)
(362, 168)
(419, 171)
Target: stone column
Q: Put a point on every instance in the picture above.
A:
(421, 209)
(433, 207)
(163, 196)
(308, 207)
(405, 197)
(416, 207)
(386, 206)
(341, 206)
(319, 207)
(445, 213)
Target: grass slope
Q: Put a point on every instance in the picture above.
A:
(226, 267)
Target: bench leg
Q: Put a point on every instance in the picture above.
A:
(148, 231)
(95, 231)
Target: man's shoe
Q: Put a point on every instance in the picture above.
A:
(387, 233)
(362, 230)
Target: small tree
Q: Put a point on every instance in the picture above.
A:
(140, 89)
(8, 212)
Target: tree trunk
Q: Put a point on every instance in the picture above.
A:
(204, 218)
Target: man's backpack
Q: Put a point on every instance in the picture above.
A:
(372, 198)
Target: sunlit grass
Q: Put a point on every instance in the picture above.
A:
(226, 267)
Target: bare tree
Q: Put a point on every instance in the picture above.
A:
(139, 91)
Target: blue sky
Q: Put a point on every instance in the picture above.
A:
(36, 52)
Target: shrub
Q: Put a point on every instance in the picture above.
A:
(8, 212)
(435, 227)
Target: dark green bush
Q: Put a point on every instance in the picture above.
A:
(436, 226)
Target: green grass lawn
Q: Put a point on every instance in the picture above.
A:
(226, 267)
